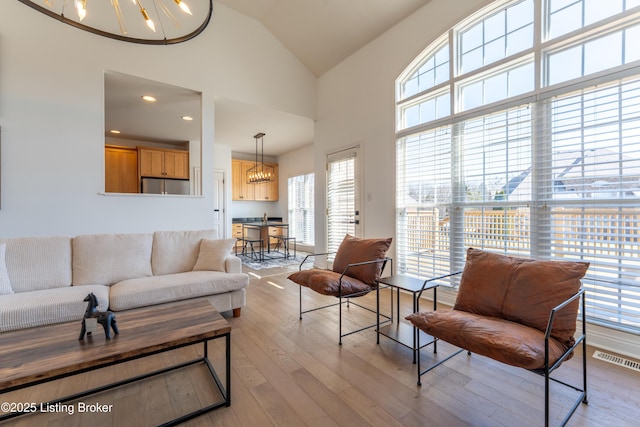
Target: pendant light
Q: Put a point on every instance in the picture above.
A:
(260, 172)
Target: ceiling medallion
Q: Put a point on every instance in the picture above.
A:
(156, 22)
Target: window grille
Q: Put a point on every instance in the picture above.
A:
(543, 167)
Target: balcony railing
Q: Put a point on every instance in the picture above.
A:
(606, 231)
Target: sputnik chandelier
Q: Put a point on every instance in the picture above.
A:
(136, 21)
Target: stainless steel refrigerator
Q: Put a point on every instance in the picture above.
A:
(165, 186)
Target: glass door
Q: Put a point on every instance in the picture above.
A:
(343, 198)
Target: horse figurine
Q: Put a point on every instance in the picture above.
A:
(106, 318)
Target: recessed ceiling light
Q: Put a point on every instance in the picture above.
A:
(187, 118)
(149, 98)
(114, 131)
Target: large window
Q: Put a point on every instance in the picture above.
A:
(301, 219)
(538, 152)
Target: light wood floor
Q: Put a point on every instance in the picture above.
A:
(287, 372)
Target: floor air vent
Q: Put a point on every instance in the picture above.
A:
(617, 360)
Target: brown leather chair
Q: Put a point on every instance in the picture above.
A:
(357, 266)
(517, 311)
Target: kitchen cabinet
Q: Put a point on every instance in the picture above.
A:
(241, 190)
(121, 170)
(274, 231)
(267, 191)
(163, 163)
(236, 233)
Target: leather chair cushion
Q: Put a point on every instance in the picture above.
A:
(327, 282)
(502, 340)
(353, 250)
(521, 290)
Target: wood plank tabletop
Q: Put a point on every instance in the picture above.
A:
(45, 352)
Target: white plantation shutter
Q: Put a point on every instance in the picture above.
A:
(590, 194)
(341, 197)
(423, 203)
(494, 154)
(301, 208)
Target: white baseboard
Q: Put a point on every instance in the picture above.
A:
(613, 340)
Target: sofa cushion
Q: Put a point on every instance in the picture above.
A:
(177, 251)
(521, 290)
(353, 250)
(508, 342)
(37, 263)
(5, 284)
(213, 253)
(57, 305)
(327, 282)
(145, 291)
(104, 259)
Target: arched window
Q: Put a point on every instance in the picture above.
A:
(518, 131)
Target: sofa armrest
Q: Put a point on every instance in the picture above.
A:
(233, 264)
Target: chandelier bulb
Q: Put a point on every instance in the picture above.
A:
(148, 20)
(183, 6)
(81, 8)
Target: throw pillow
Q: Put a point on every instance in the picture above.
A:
(213, 254)
(354, 250)
(5, 285)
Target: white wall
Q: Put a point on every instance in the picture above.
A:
(356, 106)
(52, 118)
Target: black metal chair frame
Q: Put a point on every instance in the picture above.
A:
(348, 297)
(285, 241)
(248, 248)
(548, 368)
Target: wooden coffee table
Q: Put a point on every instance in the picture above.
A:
(34, 356)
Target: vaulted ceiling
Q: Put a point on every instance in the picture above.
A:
(322, 33)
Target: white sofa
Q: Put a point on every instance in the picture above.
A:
(43, 280)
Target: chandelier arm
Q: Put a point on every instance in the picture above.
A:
(175, 21)
(118, 11)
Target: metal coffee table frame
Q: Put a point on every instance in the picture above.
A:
(224, 389)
